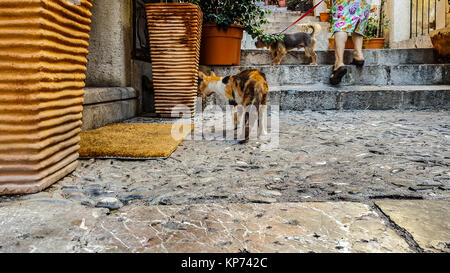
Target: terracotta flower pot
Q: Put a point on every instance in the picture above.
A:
(43, 48)
(175, 32)
(348, 44)
(220, 46)
(324, 16)
(282, 3)
(373, 43)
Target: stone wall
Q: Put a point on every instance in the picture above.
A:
(110, 44)
(447, 19)
(110, 67)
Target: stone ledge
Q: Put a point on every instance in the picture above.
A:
(103, 106)
(95, 95)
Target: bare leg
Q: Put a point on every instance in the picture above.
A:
(358, 42)
(340, 39)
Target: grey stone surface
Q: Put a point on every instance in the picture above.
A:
(96, 95)
(322, 156)
(254, 228)
(98, 115)
(140, 69)
(358, 156)
(323, 97)
(382, 56)
(428, 74)
(421, 74)
(111, 203)
(109, 58)
(428, 221)
(45, 225)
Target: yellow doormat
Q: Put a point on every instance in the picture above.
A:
(133, 140)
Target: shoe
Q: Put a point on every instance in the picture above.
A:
(337, 75)
(358, 63)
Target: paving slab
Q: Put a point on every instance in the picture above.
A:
(57, 225)
(428, 221)
(231, 228)
(45, 224)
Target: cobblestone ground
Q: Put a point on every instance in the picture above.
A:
(322, 156)
(221, 196)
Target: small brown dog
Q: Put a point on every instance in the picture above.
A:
(298, 40)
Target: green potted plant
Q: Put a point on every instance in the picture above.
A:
(325, 16)
(223, 26)
(373, 38)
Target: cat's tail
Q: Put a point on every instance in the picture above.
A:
(316, 28)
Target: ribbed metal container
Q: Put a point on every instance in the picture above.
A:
(43, 48)
(175, 33)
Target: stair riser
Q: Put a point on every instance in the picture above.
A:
(364, 100)
(383, 57)
(295, 100)
(368, 75)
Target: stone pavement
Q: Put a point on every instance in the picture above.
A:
(347, 181)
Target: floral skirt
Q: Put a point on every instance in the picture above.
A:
(351, 15)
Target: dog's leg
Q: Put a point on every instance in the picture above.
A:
(281, 52)
(274, 57)
(312, 54)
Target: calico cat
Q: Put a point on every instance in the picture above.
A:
(247, 88)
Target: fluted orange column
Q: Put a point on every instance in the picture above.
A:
(175, 33)
(43, 48)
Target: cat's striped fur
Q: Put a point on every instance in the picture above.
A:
(246, 88)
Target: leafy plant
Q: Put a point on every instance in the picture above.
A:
(375, 27)
(299, 5)
(329, 4)
(244, 12)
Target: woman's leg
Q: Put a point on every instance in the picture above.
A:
(358, 43)
(339, 70)
(340, 39)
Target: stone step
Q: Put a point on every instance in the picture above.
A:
(289, 18)
(106, 105)
(383, 56)
(322, 97)
(405, 74)
(359, 97)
